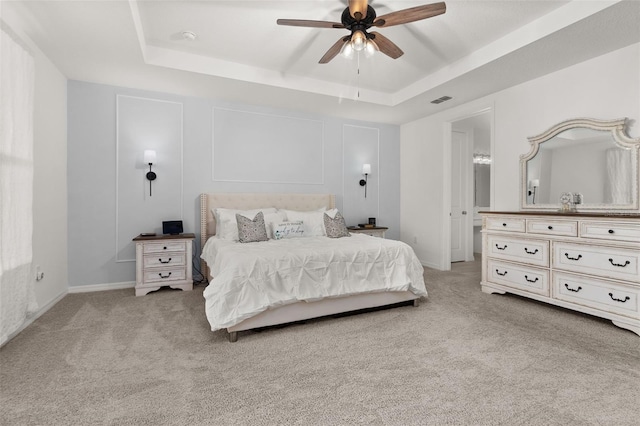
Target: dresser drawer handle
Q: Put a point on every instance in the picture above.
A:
(573, 258)
(611, 231)
(530, 252)
(164, 248)
(504, 224)
(619, 300)
(549, 227)
(501, 274)
(164, 276)
(164, 261)
(619, 264)
(501, 248)
(531, 281)
(571, 289)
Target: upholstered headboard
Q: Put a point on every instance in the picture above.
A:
(243, 201)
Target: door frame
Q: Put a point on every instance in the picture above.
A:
(445, 259)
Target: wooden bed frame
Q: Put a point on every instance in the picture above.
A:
(296, 311)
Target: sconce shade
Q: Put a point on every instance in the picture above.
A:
(366, 169)
(149, 156)
(534, 183)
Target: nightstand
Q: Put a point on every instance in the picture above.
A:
(163, 260)
(376, 231)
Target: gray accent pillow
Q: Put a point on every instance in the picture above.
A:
(251, 230)
(336, 227)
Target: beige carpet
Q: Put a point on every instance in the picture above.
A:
(462, 357)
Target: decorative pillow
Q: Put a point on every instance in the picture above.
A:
(251, 230)
(271, 220)
(313, 223)
(226, 223)
(288, 230)
(336, 227)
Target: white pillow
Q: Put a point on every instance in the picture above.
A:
(313, 221)
(227, 225)
(288, 230)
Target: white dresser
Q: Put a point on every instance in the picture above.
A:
(163, 260)
(585, 262)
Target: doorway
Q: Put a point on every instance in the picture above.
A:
(468, 153)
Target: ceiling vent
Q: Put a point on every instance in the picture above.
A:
(441, 100)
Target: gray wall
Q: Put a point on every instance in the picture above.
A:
(110, 127)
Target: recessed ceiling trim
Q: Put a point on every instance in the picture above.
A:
(555, 21)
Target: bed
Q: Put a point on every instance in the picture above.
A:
(387, 271)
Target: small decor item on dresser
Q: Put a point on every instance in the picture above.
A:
(566, 203)
(372, 221)
(172, 227)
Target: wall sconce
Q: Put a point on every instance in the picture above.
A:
(150, 158)
(366, 170)
(533, 185)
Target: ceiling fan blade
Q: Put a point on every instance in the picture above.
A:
(358, 7)
(410, 15)
(386, 46)
(333, 50)
(308, 23)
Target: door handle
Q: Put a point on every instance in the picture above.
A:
(464, 212)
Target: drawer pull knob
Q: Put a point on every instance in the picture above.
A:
(504, 224)
(619, 300)
(572, 289)
(501, 248)
(501, 274)
(164, 248)
(573, 258)
(549, 227)
(164, 276)
(530, 252)
(164, 261)
(611, 231)
(531, 281)
(619, 264)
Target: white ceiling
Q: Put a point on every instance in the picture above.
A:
(477, 47)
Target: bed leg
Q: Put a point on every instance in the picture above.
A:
(416, 302)
(233, 336)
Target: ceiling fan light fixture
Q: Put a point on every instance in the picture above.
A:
(358, 40)
(347, 50)
(370, 48)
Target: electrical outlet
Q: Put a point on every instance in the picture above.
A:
(39, 273)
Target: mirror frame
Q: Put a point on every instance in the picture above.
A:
(617, 129)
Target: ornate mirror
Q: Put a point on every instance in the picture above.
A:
(584, 165)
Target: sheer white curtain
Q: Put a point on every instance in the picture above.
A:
(17, 297)
(618, 185)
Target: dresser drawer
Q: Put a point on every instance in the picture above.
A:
(600, 294)
(606, 262)
(552, 227)
(168, 274)
(164, 247)
(505, 224)
(522, 277)
(619, 231)
(534, 252)
(168, 259)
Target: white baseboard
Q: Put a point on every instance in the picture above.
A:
(101, 287)
(430, 265)
(31, 318)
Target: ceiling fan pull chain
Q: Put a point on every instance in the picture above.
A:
(358, 77)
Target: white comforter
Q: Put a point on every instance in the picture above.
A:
(250, 278)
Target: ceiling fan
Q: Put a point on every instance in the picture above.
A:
(358, 17)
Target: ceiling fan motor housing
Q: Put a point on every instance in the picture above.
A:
(362, 24)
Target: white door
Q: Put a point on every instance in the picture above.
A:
(459, 207)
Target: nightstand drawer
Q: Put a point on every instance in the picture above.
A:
(168, 274)
(163, 247)
(552, 227)
(613, 232)
(162, 259)
(600, 294)
(521, 277)
(505, 224)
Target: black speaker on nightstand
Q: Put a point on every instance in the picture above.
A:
(173, 227)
